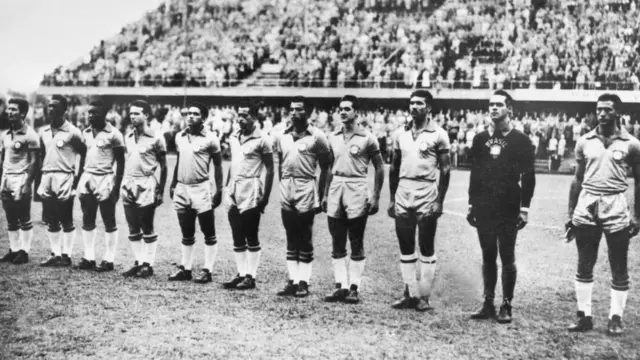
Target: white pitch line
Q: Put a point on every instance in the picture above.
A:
(556, 228)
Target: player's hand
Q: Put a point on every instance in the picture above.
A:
(158, 198)
(217, 199)
(523, 219)
(391, 210)
(172, 190)
(324, 204)
(471, 218)
(262, 204)
(569, 234)
(37, 197)
(436, 209)
(634, 227)
(373, 206)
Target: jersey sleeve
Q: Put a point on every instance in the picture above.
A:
(276, 142)
(33, 141)
(394, 136)
(214, 144)
(266, 145)
(160, 145)
(117, 140)
(634, 153)
(77, 139)
(373, 148)
(322, 144)
(580, 150)
(443, 146)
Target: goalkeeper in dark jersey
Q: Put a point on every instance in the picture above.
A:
(500, 191)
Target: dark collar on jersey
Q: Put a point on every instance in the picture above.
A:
(66, 126)
(620, 133)
(309, 131)
(356, 131)
(107, 128)
(255, 134)
(21, 131)
(187, 131)
(148, 132)
(431, 126)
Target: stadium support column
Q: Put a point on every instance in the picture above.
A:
(185, 30)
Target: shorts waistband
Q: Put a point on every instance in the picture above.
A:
(99, 174)
(299, 177)
(417, 181)
(57, 172)
(592, 193)
(138, 176)
(193, 184)
(350, 178)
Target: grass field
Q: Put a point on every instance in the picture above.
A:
(64, 313)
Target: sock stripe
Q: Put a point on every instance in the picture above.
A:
(150, 238)
(240, 249)
(26, 226)
(410, 261)
(254, 248)
(135, 237)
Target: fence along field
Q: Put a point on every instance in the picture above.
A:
(63, 313)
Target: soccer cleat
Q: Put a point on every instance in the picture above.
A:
(423, 304)
(233, 283)
(289, 290)
(352, 297)
(584, 323)
(146, 271)
(615, 326)
(504, 316)
(52, 261)
(204, 277)
(303, 290)
(133, 271)
(85, 264)
(248, 283)
(21, 258)
(338, 295)
(104, 266)
(65, 261)
(487, 311)
(9, 257)
(181, 275)
(406, 302)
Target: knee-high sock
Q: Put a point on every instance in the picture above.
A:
(427, 274)
(253, 260)
(293, 269)
(304, 271)
(111, 245)
(509, 276)
(89, 240)
(14, 240)
(356, 269)
(68, 240)
(187, 256)
(241, 262)
(408, 270)
(583, 296)
(618, 302)
(210, 253)
(26, 238)
(136, 248)
(149, 252)
(340, 272)
(55, 243)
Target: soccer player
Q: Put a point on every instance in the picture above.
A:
(251, 156)
(417, 199)
(191, 192)
(141, 193)
(346, 199)
(301, 148)
(20, 162)
(60, 145)
(498, 204)
(99, 188)
(597, 204)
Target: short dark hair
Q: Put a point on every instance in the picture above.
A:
(99, 104)
(353, 100)
(204, 111)
(615, 99)
(63, 101)
(508, 100)
(423, 94)
(146, 108)
(253, 105)
(23, 105)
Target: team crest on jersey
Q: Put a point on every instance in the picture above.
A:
(618, 155)
(100, 143)
(142, 149)
(60, 143)
(424, 146)
(354, 150)
(495, 147)
(302, 147)
(17, 145)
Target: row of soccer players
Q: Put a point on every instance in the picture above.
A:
(500, 192)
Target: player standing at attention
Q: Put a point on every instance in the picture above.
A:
(99, 188)
(416, 199)
(20, 163)
(192, 194)
(597, 204)
(498, 205)
(301, 148)
(251, 156)
(60, 145)
(346, 199)
(141, 193)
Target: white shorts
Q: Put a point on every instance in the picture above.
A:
(415, 199)
(611, 212)
(196, 197)
(244, 193)
(139, 191)
(56, 186)
(11, 186)
(98, 186)
(298, 194)
(347, 198)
